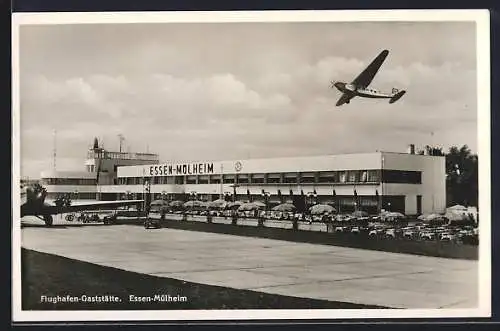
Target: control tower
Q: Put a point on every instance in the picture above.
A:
(105, 163)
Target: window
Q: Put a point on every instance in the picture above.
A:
(243, 179)
(203, 179)
(342, 176)
(257, 178)
(274, 178)
(307, 177)
(353, 176)
(401, 177)
(179, 180)
(364, 176)
(228, 179)
(290, 178)
(373, 176)
(191, 180)
(214, 179)
(327, 177)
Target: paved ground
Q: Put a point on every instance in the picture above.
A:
(271, 266)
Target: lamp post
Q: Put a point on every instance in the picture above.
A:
(312, 197)
(265, 196)
(145, 193)
(234, 186)
(193, 196)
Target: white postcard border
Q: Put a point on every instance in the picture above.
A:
(481, 17)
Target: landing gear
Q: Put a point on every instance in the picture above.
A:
(348, 101)
(48, 220)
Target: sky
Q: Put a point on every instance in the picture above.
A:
(225, 91)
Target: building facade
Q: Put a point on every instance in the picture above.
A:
(408, 183)
(405, 182)
(100, 170)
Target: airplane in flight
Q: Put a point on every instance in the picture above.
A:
(359, 86)
(35, 205)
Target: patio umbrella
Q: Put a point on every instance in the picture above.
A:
(217, 204)
(321, 209)
(176, 203)
(159, 203)
(234, 205)
(259, 204)
(249, 206)
(284, 207)
(395, 214)
(457, 207)
(193, 204)
(456, 216)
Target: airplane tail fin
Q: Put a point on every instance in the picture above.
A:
(397, 96)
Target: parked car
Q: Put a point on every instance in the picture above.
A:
(152, 223)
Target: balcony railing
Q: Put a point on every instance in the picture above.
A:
(123, 156)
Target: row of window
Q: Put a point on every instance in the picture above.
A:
(331, 177)
(68, 181)
(122, 156)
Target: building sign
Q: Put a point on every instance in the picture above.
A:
(181, 169)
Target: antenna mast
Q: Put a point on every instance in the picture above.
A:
(54, 151)
(120, 136)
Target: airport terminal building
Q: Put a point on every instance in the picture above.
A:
(404, 182)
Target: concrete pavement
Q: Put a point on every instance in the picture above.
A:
(266, 265)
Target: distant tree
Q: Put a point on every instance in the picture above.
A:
(461, 176)
(436, 151)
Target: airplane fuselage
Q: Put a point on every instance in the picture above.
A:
(361, 91)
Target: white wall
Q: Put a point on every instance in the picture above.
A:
(296, 164)
(433, 187)
(71, 188)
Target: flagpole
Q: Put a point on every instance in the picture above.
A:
(221, 183)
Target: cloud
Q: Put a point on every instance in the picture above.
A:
(265, 93)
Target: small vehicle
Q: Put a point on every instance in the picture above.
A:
(390, 233)
(447, 237)
(355, 230)
(339, 229)
(152, 223)
(409, 233)
(427, 235)
(109, 219)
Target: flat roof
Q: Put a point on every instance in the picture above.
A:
(69, 174)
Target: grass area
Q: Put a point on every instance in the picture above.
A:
(51, 275)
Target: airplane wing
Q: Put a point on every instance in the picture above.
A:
(365, 78)
(346, 97)
(90, 206)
